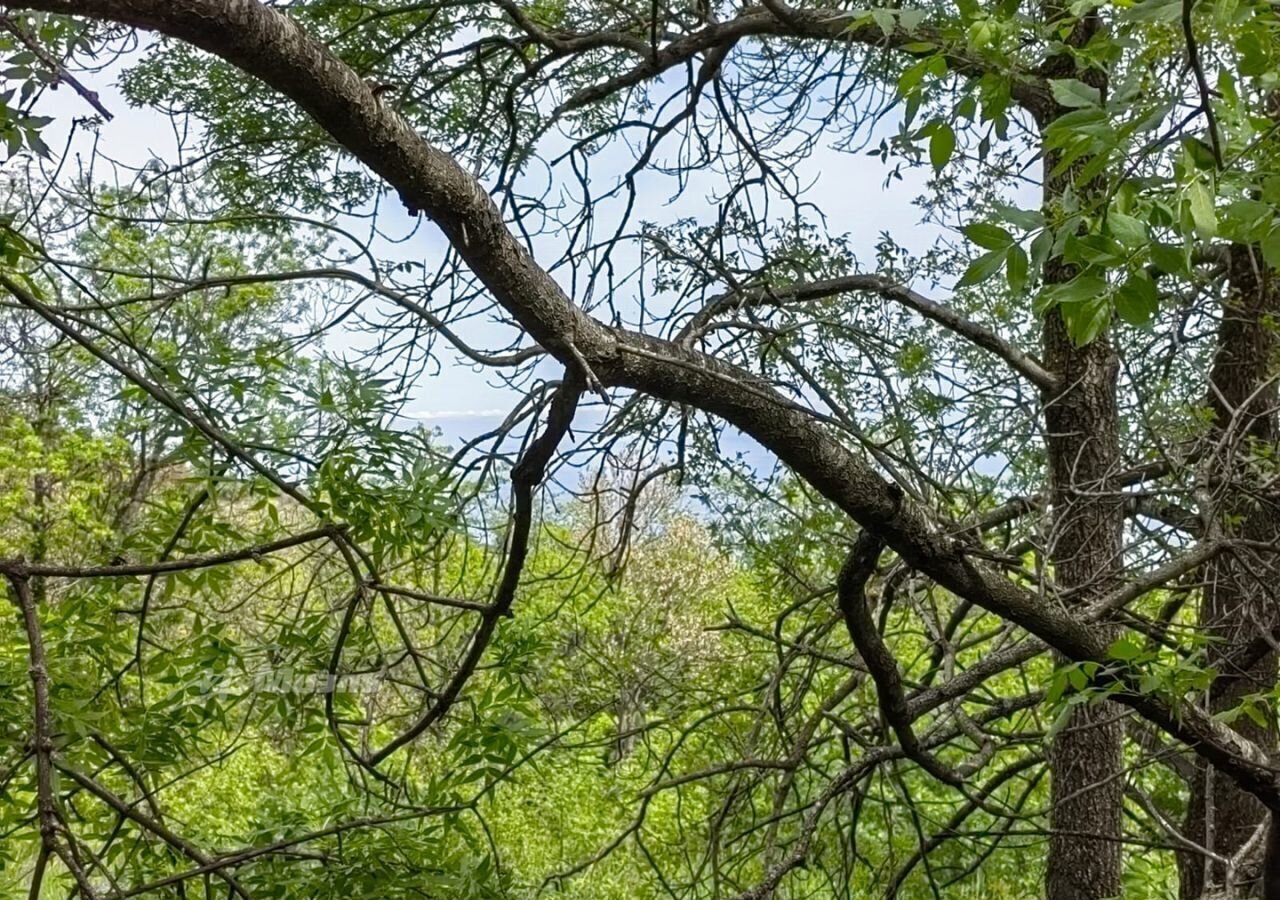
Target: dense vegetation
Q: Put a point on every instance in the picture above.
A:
(885, 503)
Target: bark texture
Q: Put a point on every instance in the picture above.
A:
(1085, 546)
(1239, 602)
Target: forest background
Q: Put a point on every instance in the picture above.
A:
(500, 449)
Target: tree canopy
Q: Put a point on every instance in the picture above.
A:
(883, 499)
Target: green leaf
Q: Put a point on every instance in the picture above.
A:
(1087, 319)
(912, 77)
(1078, 290)
(1027, 219)
(1041, 247)
(1247, 220)
(1057, 687)
(1016, 269)
(1200, 153)
(981, 34)
(1094, 249)
(1169, 258)
(1126, 648)
(1256, 714)
(884, 20)
(1074, 94)
(988, 236)
(1271, 248)
(982, 268)
(1202, 211)
(942, 144)
(1271, 189)
(1254, 47)
(1153, 11)
(910, 17)
(1137, 300)
(1059, 722)
(1129, 231)
(1070, 128)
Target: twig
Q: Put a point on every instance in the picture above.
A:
(1202, 83)
(1025, 364)
(59, 70)
(16, 567)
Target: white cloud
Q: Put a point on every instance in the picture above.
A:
(432, 415)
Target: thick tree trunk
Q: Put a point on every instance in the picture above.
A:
(1085, 547)
(1239, 602)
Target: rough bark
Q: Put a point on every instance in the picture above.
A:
(1085, 546)
(1239, 601)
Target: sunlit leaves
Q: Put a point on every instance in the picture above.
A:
(1017, 270)
(982, 268)
(1003, 251)
(1199, 153)
(1256, 48)
(1134, 211)
(1130, 231)
(1271, 248)
(1132, 664)
(1083, 134)
(1153, 11)
(547, 13)
(1086, 317)
(1246, 220)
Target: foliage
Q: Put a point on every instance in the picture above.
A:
(270, 636)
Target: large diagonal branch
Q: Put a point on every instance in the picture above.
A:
(269, 45)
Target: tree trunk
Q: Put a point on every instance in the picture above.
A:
(1085, 546)
(630, 715)
(1238, 605)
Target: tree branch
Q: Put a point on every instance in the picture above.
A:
(834, 25)
(42, 747)
(1025, 364)
(858, 568)
(59, 71)
(22, 569)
